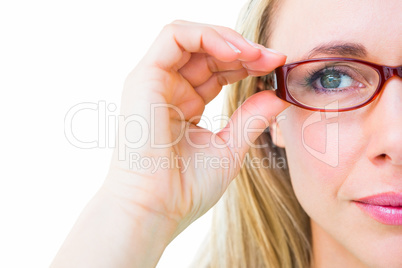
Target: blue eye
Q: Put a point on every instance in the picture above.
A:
(320, 83)
(330, 80)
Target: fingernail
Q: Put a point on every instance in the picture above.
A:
(252, 43)
(276, 52)
(235, 49)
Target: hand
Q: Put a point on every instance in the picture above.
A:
(141, 207)
(185, 69)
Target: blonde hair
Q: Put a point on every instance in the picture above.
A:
(258, 222)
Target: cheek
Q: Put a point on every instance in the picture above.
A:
(322, 151)
(313, 143)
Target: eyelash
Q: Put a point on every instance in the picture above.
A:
(315, 74)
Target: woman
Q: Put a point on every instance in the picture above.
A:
(338, 200)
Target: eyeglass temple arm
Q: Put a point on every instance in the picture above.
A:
(274, 81)
(391, 71)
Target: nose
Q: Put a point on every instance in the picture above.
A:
(385, 145)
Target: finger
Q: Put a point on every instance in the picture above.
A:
(211, 88)
(227, 45)
(249, 121)
(234, 38)
(202, 66)
(186, 100)
(267, 62)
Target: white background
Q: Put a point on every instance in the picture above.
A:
(54, 55)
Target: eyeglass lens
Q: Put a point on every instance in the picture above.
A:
(319, 84)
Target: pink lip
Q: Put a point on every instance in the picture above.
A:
(385, 208)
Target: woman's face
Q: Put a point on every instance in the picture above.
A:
(336, 158)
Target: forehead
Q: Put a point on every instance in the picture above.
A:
(301, 25)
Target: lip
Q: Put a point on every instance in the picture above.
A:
(385, 208)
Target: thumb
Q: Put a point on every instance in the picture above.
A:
(250, 120)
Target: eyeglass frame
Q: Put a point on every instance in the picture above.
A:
(280, 76)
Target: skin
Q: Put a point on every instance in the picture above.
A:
(364, 144)
(137, 212)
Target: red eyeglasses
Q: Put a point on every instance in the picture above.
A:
(331, 84)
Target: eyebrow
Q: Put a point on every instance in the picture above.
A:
(339, 48)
